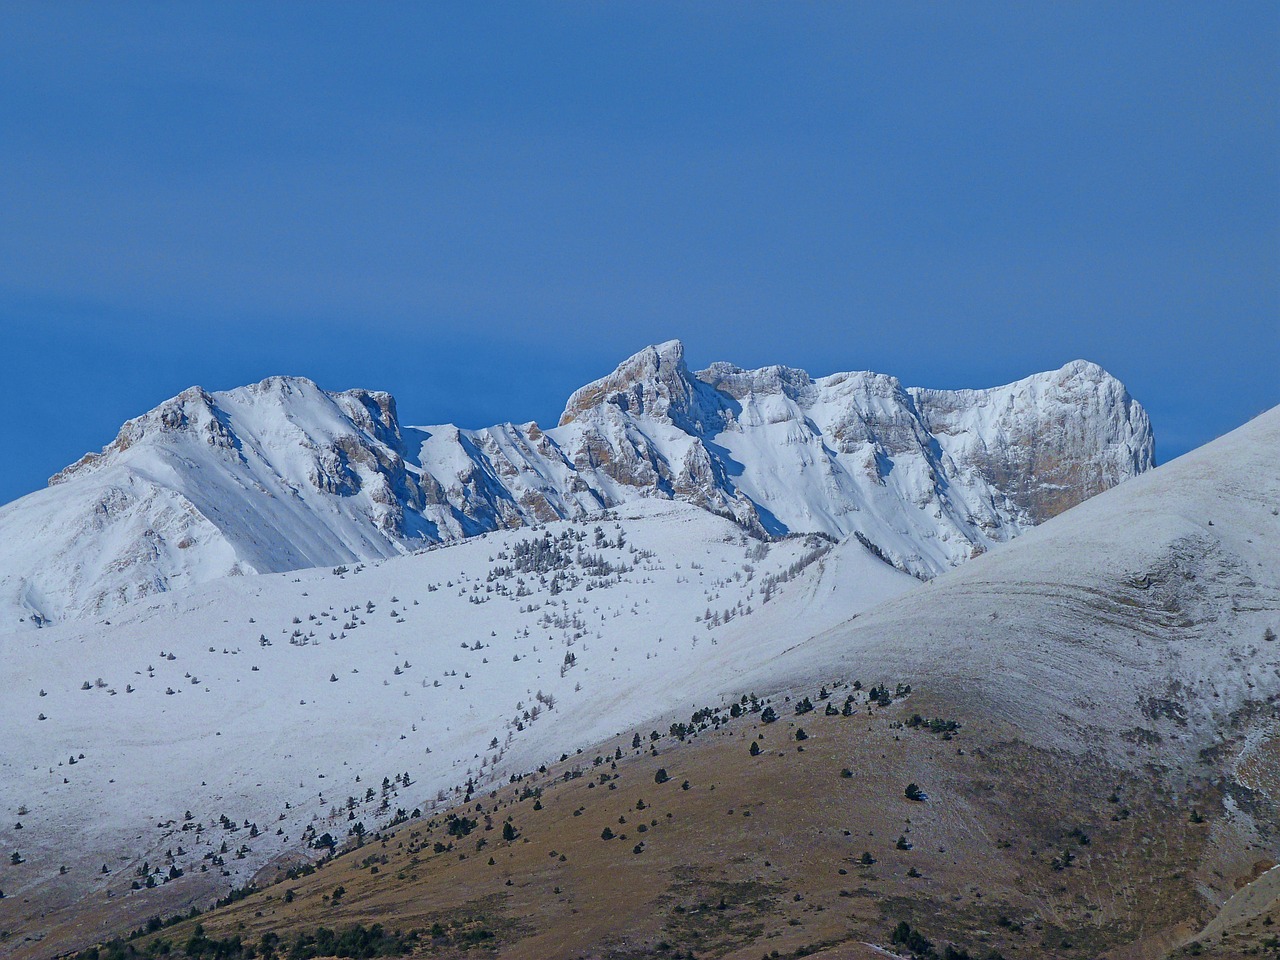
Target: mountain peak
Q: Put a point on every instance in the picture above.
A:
(281, 383)
(651, 382)
(1084, 368)
(178, 413)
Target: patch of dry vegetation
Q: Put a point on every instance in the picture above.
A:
(810, 847)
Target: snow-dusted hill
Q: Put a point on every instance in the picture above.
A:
(1138, 629)
(1165, 590)
(294, 705)
(282, 475)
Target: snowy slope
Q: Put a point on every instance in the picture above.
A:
(271, 700)
(276, 476)
(1138, 628)
(282, 475)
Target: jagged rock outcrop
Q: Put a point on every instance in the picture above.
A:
(282, 475)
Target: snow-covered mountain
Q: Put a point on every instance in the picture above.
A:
(282, 475)
(1135, 629)
(930, 477)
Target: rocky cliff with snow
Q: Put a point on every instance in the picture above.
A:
(282, 475)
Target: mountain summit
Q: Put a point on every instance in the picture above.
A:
(283, 475)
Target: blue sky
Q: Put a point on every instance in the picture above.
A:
(479, 207)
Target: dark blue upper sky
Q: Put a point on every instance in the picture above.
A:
(479, 207)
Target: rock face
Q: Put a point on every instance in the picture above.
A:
(930, 476)
(1049, 442)
(282, 475)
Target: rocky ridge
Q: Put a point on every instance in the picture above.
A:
(283, 475)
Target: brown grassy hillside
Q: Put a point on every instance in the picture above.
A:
(1017, 850)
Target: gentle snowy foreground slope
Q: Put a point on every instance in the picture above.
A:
(294, 705)
(282, 475)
